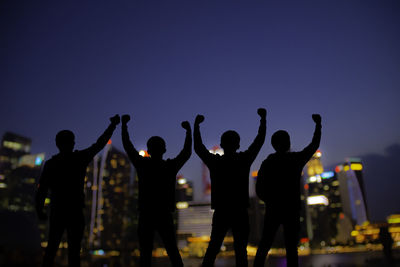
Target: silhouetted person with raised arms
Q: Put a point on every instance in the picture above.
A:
(278, 185)
(64, 176)
(157, 179)
(229, 176)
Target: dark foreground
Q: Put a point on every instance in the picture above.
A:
(361, 259)
(358, 259)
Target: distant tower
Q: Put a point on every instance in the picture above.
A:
(352, 190)
(19, 172)
(314, 165)
(323, 203)
(12, 148)
(313, 168)
(108, 188)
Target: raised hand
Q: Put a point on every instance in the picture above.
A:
(316, 118)
(186, 125)
(199, 119)
(125, 118)
(262, 112)
(115, 119)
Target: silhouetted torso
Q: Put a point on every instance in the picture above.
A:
(230, 179)
(229, 173)
(280, 176)
(283, 172)
(157, 182)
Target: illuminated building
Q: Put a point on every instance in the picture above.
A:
(368, 233)
(19, 174)
(352, 190)
(323, 203)
(21, 183)
(324, 208)
(314, 165)
(12, 148)
(108, 188)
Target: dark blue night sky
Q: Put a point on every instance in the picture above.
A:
(72, 65)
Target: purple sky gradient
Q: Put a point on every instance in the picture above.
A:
(72, 65)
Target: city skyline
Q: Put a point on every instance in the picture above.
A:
(314, 169)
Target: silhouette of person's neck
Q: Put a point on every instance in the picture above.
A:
(156, 157)
(229, 152)
(65, 152)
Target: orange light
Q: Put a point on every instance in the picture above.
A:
(306, 186)
(254, 173)
(304, 240)
(338, 169)
(109, 142)
(341, 216)
(144, 153)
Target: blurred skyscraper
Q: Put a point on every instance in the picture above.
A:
(326, 222)
(108, 196)
(13, 147)
(19, 172)
(352, 190)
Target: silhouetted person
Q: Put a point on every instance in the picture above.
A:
(229, 176)
(278, 184)
(387, 241)
(64, 176)
(157, 178)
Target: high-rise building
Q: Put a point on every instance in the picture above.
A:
(13, 147)
(324, 211)
(314, 165)
(21, 183)
(313, 169)
(352, 190)
(108, 189)
(19, 175)
(324, 208)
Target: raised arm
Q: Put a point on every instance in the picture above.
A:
(255, 147)
(126, 142)
(309, 150)
(184, 155)
(41, 193)
(199, 147)
(103, 139)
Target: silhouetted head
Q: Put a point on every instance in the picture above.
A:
(65, 141)
(156, 146)
(230, 141)
(280, 141)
